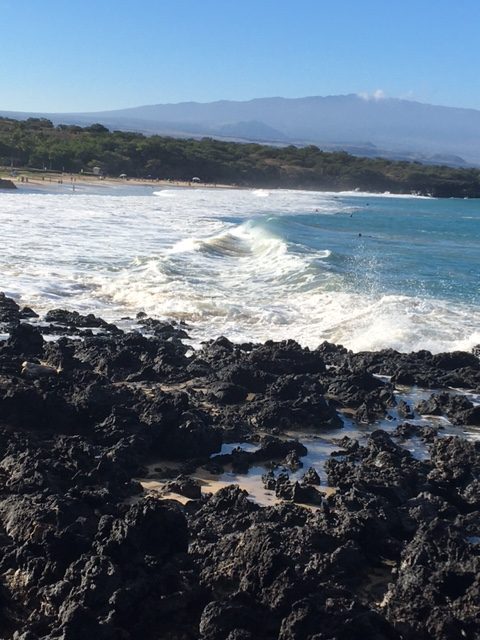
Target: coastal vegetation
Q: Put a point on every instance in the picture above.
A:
(36, 143)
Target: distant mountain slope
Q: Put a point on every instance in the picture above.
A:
(374, 127)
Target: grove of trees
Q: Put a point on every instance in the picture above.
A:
(36, 143)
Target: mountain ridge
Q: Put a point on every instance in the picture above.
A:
(389, 127)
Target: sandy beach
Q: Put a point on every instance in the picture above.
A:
(44, 180)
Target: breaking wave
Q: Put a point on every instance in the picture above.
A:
(254, 264)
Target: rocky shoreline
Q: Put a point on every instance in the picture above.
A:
(392, 553)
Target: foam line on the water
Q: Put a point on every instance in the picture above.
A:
(165, 193)
(385, 194)
(251, 268)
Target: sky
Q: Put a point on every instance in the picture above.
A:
(70, 55)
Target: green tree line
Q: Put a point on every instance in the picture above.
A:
(36, 143)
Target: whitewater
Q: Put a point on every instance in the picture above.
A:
(366, 271)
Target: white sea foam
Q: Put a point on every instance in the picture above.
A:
(165, 193)
(215, 258)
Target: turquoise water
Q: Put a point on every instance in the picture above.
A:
(367, 271)
(421, 247)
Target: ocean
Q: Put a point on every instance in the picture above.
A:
(366, 271)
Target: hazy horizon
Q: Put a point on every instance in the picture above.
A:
(86, 57)
(375, 96)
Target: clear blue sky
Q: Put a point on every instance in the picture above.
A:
(70, 55)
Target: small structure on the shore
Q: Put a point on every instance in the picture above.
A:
(196, 179)
(97, 171)
(123, 176)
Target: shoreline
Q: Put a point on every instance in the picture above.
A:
(110, 446)
(69, 180)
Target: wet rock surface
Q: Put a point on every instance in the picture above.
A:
(87, 548)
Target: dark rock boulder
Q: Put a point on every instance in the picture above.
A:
(235, 618)
(332, 614)
(251, 379)
(404, 410)
(437, 590)
(381, 467)
(162, 329)
(184, 486)
(455, 360)
(286, 357)
(9, 310)
(406, 431)
(25, 341)
(227, 393)
(27, 313)
(75, 319)
(149, 528)
(456, 471)
(311, 477)
(294, 407)
(457, 408)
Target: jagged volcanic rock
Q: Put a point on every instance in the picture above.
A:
(86, 551)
